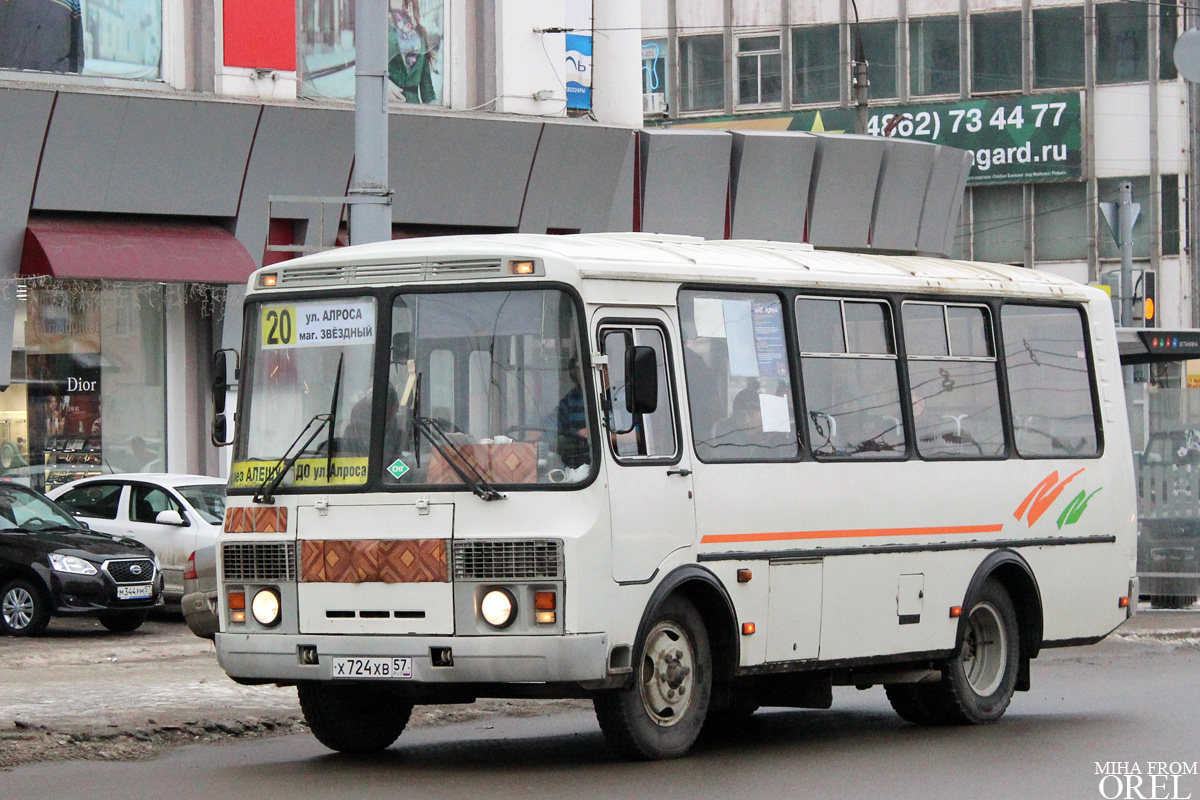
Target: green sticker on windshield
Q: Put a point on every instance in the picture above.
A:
(398, 468)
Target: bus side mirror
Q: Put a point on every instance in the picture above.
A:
(219, 434)
(641, 380)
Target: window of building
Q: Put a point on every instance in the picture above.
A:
(1121, 42)
(115, 39)
(416, 50)
(654, 66)
(739, 381)
(759, 79)
(1057, 47)
(816, 65)
(1109, 191)
(996, 52)
(1170, 215)
(933, 55)
(1168, 32)
(1048, 382)
(1060, 222)
(952, 377)
(851, 384)
(701, 72)
(998, 224)
(879, 45)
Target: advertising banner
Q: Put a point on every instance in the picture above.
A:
(113, 39)
(1012, 139)
(579, 71)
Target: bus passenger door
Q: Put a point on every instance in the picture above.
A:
(649, 472)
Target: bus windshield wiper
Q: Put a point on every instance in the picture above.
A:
(457, 460)
(333, 403)
(266, 490)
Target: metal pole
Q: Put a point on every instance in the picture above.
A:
(1125, 219)
(370, 221)
(860, 97)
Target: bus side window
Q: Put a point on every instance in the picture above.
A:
(738, 376)
(638, 435)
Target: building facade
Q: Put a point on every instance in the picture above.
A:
(1060, 102)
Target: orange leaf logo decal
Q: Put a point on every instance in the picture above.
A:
(1043, 496)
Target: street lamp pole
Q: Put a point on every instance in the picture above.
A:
(370, 195)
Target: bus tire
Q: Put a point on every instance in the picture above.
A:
(355, 717)
(978, 683)
(917, 703)
(661, 713)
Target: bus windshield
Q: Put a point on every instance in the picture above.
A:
(483, 389)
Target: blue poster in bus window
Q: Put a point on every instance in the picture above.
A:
(579, 71)
(768, 340)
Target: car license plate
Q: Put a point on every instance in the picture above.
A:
(134, 592)
(373, 667)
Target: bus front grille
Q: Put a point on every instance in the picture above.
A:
(260, 561)
(531, 559)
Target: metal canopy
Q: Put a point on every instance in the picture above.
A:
(1157, 345)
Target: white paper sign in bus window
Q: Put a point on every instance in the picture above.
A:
(318, 324)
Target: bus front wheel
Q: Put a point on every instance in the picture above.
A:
(660, 714)
(355, 717)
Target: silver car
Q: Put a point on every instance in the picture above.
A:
(199, 602)
(173, 515)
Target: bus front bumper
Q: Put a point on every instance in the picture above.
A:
(270, 658)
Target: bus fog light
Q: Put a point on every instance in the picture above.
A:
(498, 608)
(545, 617)
(265, 607)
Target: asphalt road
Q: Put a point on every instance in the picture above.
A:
(1132, 699)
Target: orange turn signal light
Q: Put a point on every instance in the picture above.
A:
(522, 267)
(747, 628)
(744, 575)
(237, 600)
(955, 612)
(1123, 602)
(269, 279)
(544, 601)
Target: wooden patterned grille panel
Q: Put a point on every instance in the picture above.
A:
(256, 520)
(374, 561)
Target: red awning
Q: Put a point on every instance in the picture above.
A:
(134, 250)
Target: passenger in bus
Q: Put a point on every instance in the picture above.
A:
(741, 434)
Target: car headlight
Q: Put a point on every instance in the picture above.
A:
(265, 607)
(498, 608)
(72, 564)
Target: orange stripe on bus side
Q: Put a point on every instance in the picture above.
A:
(728, 538)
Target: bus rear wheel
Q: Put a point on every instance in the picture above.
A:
(661, 713)
(353, 718)
(978, 682)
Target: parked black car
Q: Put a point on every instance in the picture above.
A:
(52, 565)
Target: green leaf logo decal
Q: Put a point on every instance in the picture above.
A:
(1075, 508)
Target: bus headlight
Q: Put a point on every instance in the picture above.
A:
(498, 608)
(265, 607)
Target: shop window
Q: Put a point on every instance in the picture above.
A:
(879, 47)
(1045, 354)
(996, 52)
(816, 65)
(1168, 32)
(1121, 42)
(998, 224)
(1060, 222)
(952, 377)
(738, 378)
(933, 55)
(759, 80)
(1057, 47)
(702, 72)
(114, 39)
(851, 384)
(1109, 191)
(416, 50)
(654, 76)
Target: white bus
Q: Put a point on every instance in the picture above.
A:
(681, 478)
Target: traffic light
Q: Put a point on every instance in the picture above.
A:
(1149, 299)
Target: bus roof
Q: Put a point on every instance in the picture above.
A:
(658, 257)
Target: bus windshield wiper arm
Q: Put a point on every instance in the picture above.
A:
(437, 437)
(266, 490)
(329, 441)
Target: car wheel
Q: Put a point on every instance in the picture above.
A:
(24, 609)
(660, 714)
(353, 718)
(123, 621)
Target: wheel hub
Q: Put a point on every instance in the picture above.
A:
(17, 608)
(667, 674)
(985, 650)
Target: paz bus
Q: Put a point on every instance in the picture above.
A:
(684, 479)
